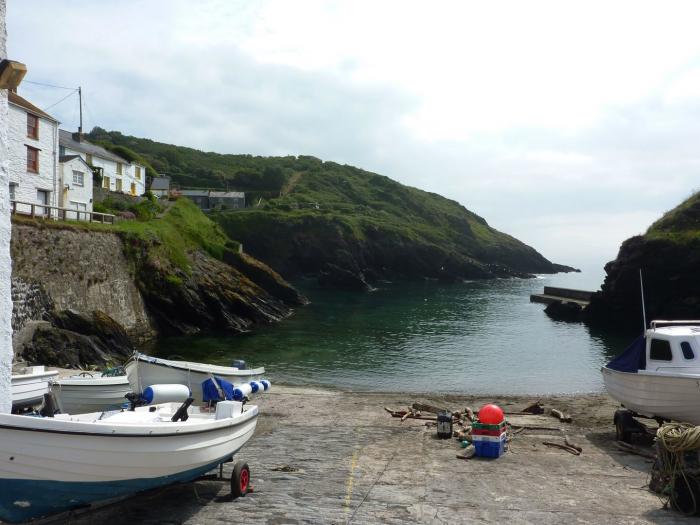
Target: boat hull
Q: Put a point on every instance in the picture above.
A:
(28, 389)
(664, 395)
(145, 371)
(82, 395)
(52, 465)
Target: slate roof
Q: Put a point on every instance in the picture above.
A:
(227, 194)
(160, 183)
(68, 158)
(65, 138)
(15, 99)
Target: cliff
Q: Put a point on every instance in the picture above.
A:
(346, 226)
(669, 256)
(94, 290)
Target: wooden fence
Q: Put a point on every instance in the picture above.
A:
(64, 214)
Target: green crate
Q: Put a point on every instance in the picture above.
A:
(486, 426)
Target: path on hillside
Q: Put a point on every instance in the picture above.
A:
(291, 183)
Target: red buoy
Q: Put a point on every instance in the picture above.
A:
(490, 414)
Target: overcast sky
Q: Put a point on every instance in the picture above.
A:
(569, 126)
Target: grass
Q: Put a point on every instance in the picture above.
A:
(181, 230)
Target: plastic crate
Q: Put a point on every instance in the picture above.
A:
(490, 449)
(484, 426)
(483, 432)
(493, 439)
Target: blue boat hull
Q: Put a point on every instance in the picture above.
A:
(22, 500)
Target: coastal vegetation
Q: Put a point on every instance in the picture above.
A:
(668, 255)
(345, 225)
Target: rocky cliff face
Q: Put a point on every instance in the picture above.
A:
(85, 297)
(669, 257)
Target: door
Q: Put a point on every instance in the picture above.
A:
(133, 189)
(42, 197)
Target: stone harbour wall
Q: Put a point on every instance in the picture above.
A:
(78, 270)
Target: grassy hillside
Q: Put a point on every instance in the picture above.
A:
(306, 214)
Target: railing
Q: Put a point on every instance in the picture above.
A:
(54, 212)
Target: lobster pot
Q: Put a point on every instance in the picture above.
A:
(444, 425)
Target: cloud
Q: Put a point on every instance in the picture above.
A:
(570, 127)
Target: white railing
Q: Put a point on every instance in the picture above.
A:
(45, 211)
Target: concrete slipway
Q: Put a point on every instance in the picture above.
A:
(324, 456)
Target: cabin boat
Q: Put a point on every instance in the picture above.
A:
(49, 465)
(86, 392)
(658, 375)
(144, 370)
(29, 384)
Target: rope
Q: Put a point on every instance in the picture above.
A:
(676, 438)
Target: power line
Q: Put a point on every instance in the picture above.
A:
(48, 85)
(64, 98)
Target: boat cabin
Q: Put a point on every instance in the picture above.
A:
(671, 345)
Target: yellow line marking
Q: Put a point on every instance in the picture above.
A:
(349, 482)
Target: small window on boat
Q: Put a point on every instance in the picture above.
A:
(660, 350)
(687, 350)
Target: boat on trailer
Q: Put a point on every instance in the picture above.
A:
(144, 370)
(658, 375)
(55, 464)
(29, 384)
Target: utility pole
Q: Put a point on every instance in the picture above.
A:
(80, 103)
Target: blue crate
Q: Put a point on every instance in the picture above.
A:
(490, 449)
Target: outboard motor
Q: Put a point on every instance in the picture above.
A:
(240, 364)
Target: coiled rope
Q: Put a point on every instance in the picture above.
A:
(676, 438)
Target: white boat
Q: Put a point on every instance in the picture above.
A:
(90, 393)
(659, 374)
(144, 370)
(49, 465)
(29, 384)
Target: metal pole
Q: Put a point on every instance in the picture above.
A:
(80, 103)
(644, 312)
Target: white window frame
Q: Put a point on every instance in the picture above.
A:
(78, 178)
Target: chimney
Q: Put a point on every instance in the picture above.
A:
(77, 137)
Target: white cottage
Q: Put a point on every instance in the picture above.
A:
(118, 174)
(33, 163)
(75, 186)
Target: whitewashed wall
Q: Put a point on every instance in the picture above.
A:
(139, 184)
(109, 169)
(71, 192)
(28, 182)
(5, 263)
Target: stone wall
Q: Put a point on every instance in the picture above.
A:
(5, 263)
(78, 270)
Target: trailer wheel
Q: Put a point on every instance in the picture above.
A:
(624, 422)
(240, 479)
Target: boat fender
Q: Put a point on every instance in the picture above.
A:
(266, 384)
(255, 386)
(155, 394)
(242, 391)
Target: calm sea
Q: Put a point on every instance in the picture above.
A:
(474, 337)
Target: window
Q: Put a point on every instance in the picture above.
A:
(138, 173)
(118, 185)
(32, 159)
(687, 350)
(119, 168)
(32, 126)
(13, 190)
(660, 350)
(105, 182)
(78, 178)
(88, 159)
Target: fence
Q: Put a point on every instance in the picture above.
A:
(54, 212)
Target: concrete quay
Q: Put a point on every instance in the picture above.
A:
(330, 457)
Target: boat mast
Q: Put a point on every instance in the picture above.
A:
(644, 312)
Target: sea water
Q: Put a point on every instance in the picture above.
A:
(472, 337)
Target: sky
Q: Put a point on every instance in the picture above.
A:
(571, 126)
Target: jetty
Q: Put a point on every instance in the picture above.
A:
(554, 294)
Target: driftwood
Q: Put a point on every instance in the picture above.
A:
(572, 445)
(568, 448)
(626, 447)
(536, 408)
(408, 414)
(424, 407)
(469, 413)
(535, 427)
(560, 416)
